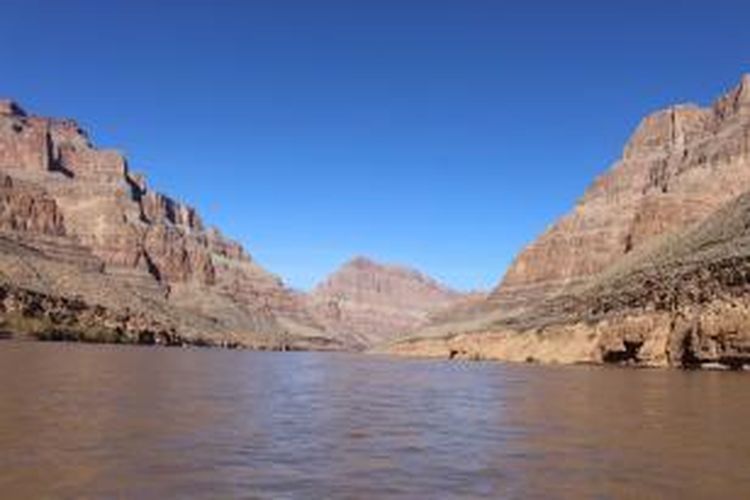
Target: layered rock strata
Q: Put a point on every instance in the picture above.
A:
(368, 303)
(75, 221)
(669, 199)
(683, 300)
(680, 165)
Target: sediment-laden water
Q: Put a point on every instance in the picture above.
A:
(136, 422)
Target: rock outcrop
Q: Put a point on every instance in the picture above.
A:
(683, 300)
(46, 317)
(681, 164)
(367, 303)
(648, 269)
(28, 209)
(82, 224)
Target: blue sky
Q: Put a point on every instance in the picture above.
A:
(443, 135)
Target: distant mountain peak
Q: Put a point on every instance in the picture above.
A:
(374, 302)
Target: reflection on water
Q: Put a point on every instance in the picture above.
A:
(104, 421)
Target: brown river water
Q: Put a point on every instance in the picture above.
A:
(136, 422)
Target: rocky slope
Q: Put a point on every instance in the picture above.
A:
(76, 222)
(367, 303)
(682, 300)
(679, 167)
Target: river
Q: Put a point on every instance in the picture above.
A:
(138, 422)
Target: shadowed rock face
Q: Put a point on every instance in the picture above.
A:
(62, 200)
(680, 165)
(368, 303)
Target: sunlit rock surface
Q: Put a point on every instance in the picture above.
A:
(76, 222)
(649, 269)
(368, 303)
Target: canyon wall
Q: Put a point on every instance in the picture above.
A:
(627, 275)
(368, 303)
(680, 165)
(76, 221)
(682, 301)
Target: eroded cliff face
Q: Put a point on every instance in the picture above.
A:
(62, 199)
(104, 205)
(28, 209)
(681, 164)
(683, 302)
(650, 269)
(368, 303)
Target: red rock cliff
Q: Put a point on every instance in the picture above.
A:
(679, 166)
(55, 183)
(369, 303)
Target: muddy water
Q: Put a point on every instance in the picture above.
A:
(104, 421)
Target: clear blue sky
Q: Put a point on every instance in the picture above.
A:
(439, 134)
